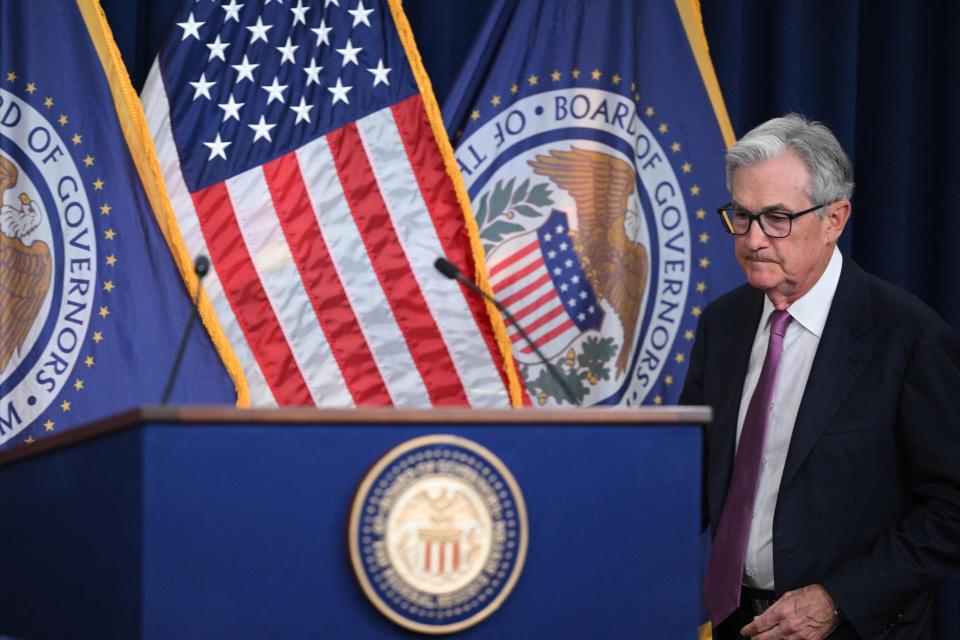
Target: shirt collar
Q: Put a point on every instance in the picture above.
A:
(811, 309)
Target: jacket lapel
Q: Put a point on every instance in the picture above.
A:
(841, 355)
(732, 364)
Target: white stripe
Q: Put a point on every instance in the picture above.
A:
(356, 273)
(158, 117)
(541, 311)
(281, 281)
(418, 238)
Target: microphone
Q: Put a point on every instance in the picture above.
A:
(201, 266)
(451, 271)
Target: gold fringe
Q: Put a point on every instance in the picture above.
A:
(450, 162)
(693, 24)
(705, 632)
(133, 123)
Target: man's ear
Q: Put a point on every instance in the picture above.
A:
(837, 215)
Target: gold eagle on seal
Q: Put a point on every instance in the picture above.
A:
(25, 269)
(616, 266)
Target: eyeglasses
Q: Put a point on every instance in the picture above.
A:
(776, 224)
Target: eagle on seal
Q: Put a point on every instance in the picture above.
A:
(25, 268)
(616, 266)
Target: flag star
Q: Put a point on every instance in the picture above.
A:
(259, 30)
(568, 263)
(190, 28)
(217, 148)
(560, 228)
(217, 48)
(380, 73)
(233, 11)
(313, 72)
(231, 108)
(302, 110)
(202, 87)
(583, 295)
(288, 50)
(591, 308)
(349, 53)
(299, 12)
(245, 69)
(564, 287)
(548, 237)
(557, 271)
(572, 302)
(360, 14)
(563, 246)
(551, 254)
(339, 92)
(262, 130)
(327, 3)
(275, 90)
(575, 279)
(323, 33)
(581, 316)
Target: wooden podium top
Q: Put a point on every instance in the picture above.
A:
(212, 415)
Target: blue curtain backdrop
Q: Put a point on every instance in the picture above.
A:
(883, 74)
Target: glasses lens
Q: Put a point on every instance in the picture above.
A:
(739, 220)
(776, 225)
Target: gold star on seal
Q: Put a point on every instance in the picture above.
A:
(675, 147)
(48, 425)
(65, 405)
(701, 287)
(687, 167)
(615, 78)
(76, 139)
(595, 74)
(704, 263)
(695, 190)
(88, 161)
(514, 89)
(104, 312)
(663, 128)
(88, 361)
(556, 75)
(111, 260)
(701, 214)
(475, 114)
(108, 286)
(668, 380)
(657, 400)
(29, 440)
(11, 76)
(695, 312)
(105, 209)
(48, 102)
(679, 358)
(31, 87)
(495, 101)
(576, 74)
(704, 238)
(688, 334)
(98, 184)
(97, 337)
(78, 385)
(63, 120)
(533, 79)
(109, 234)
(649, 111)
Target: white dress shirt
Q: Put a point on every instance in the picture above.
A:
(809, 315)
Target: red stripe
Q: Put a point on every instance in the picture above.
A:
(426, 560)
(426, 345)
(520, 274)
(441, 199)
(247, 296)
(522, 253)
(547, 317)
(456, 556)
(322, 283)
(527, 290)
(550, 335)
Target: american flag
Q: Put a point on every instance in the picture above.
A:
(538, 277)
(300, 153)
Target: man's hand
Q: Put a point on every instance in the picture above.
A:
(804, 614)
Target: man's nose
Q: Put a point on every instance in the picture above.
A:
(755, 238)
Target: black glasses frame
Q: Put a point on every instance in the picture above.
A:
(728, 224)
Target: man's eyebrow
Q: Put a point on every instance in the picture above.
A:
(779, 207)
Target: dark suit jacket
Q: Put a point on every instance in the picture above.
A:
(869, 502)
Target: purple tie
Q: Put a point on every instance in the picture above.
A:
(721, 586)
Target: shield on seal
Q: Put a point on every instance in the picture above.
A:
(538, 277)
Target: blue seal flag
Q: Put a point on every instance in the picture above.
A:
(590, 136)
(92, 302)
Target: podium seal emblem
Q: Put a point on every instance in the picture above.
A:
(438, 534)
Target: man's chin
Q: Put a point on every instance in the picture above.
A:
(762, 276)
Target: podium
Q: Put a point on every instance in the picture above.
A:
(211, 522)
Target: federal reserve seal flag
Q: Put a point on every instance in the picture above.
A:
(91, 299)
(590, 136)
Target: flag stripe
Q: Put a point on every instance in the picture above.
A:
(437, 190)
(544, 319)
(246, 295)
(390, 264)
(511, 259)
(446, 303)
(336, 317)
(551, 335)
(157, 109)
(361, 286)
(518, 275)
(526, 291)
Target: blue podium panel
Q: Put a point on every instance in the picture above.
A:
(177, 530)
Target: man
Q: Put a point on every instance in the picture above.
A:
(833, 461)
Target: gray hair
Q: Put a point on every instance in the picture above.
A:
(831, 172)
